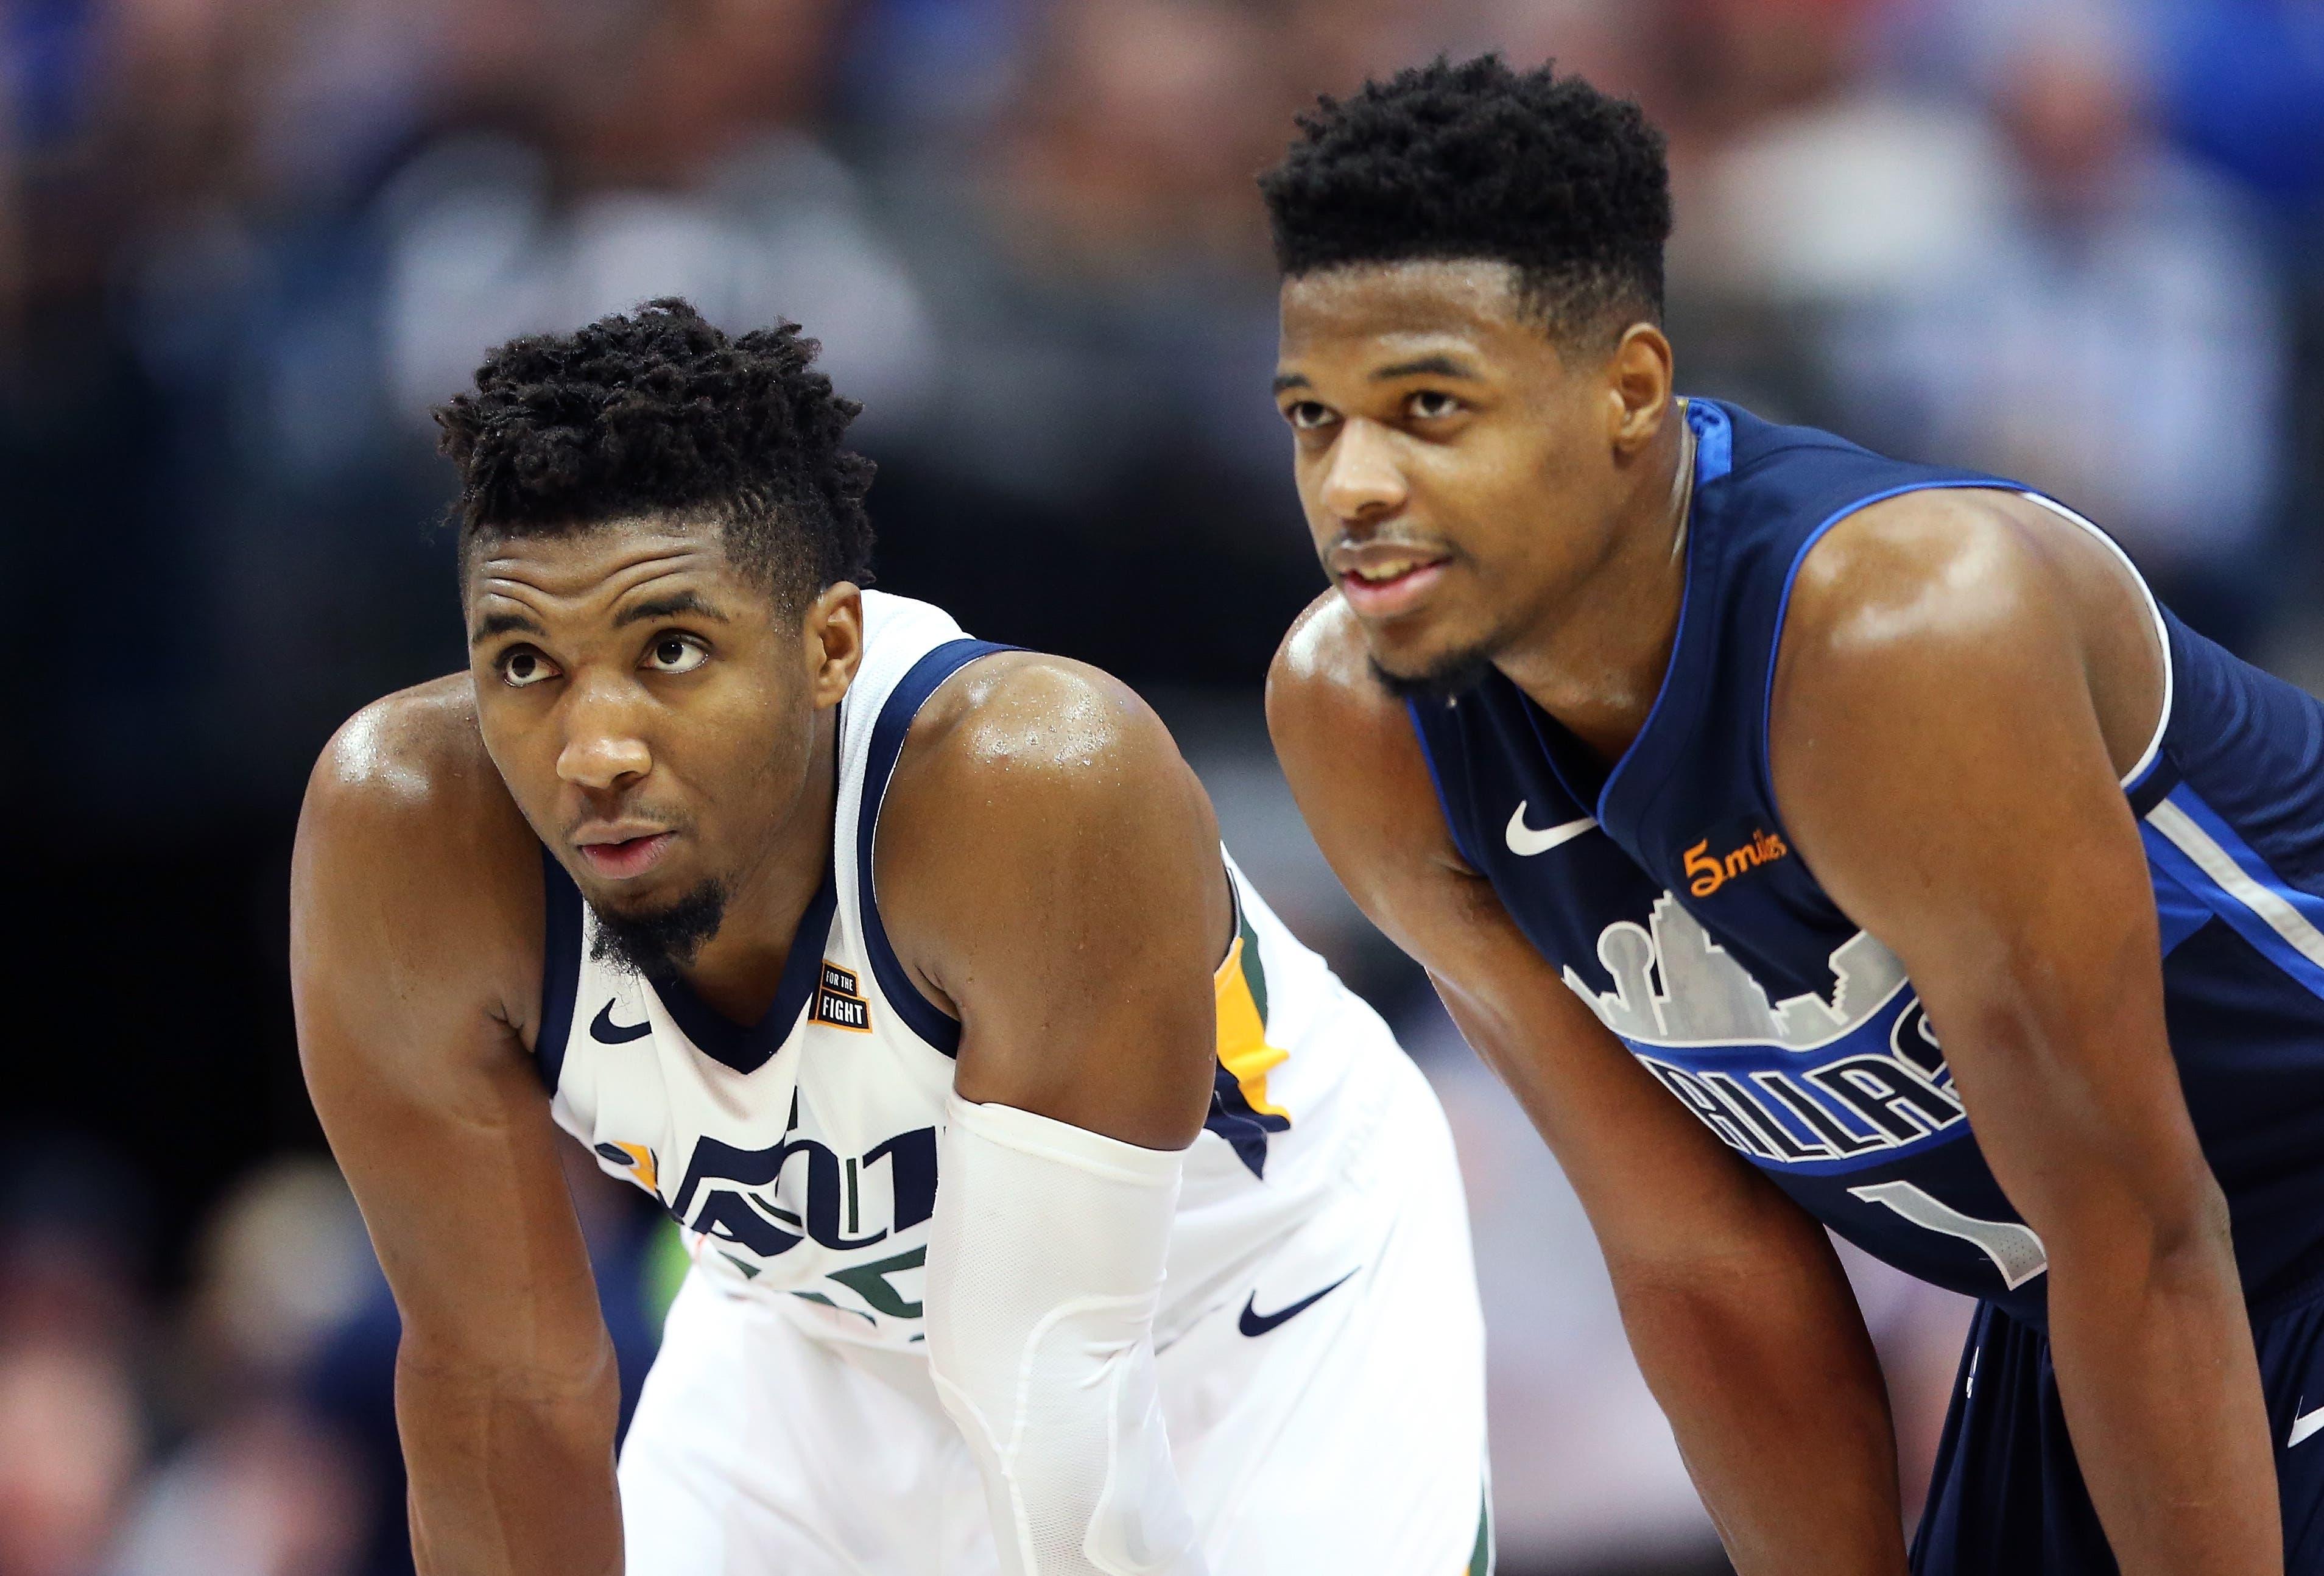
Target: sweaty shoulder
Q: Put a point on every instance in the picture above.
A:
(406, 817)
(1974, 580)
(1036, 780)
(1348, 748)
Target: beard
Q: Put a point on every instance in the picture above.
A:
(659, 944)
(1447, 678)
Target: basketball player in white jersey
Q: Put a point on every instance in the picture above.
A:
(1052, 1210)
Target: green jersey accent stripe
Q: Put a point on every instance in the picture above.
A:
(1254, 972)
(1480, 1558)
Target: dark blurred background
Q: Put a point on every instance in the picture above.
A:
(245, 243)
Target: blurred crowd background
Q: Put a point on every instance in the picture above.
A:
(245, 243)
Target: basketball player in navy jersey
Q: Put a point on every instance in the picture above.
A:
(1810, 840)
(1054, 1213)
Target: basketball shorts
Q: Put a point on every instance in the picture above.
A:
(1346, 1436)
(2008, 1496)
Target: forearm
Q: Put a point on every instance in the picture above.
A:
(2161, 1388)
(1045, 1260)
(1772, 1388)
(510, 1475)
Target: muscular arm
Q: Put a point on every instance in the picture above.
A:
(1962, 679)
(415, 914)
(1051, 868)
(1737, 1309)
(1063, 889)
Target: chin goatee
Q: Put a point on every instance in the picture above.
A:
(1446, 679)
(657, 946)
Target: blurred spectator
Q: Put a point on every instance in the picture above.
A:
(2117, 340)
(72, 1431)
(264, 1492)
(70, 1416)
(282, 1263)
(1817, 182)
(678, 161)
(258, 1486)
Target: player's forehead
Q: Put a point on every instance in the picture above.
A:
(1364, 316)
(600, 565)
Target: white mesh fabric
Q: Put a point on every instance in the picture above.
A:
(1045, 1264)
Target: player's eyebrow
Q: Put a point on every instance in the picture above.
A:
(669, 606)
(1290, 380)
(1444, 367)
(501, 623)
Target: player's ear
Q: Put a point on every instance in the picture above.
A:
(1638, 377)
(831, 639)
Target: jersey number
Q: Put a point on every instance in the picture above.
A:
(2015, 1249)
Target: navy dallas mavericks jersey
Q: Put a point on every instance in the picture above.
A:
(1668, 893)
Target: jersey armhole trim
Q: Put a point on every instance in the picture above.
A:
(923, 1017)
(1765, 743)
(2151, 758)
(1714, 460)
(560, 967)
(1437, 781)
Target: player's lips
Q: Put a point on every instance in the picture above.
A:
(1384, 580)
(620, 852)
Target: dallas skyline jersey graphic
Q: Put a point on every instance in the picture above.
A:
(1706, 997)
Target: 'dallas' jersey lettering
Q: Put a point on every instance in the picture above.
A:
(800, 1155)
(1666, 893)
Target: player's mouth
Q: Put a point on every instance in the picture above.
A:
(1383, 581)
(620, 853)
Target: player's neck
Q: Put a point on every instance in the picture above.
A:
(740, 970)
(1597, 659)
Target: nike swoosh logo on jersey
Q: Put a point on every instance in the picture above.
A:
(1255, 1324)
(605, 1031)
(1526, 841)
(2304, 1426)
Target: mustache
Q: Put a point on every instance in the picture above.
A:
(1391, 541)
(662, 820)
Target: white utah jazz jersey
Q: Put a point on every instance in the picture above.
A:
(800, 1155)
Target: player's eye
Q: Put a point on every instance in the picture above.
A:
(521, 666)
(1432, 405)
(675, 654)
(1306, 415)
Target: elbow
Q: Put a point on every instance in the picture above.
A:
(581, 1386)
(2167, 1236)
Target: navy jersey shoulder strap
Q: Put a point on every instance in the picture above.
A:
(938, 1028)
(561, 967)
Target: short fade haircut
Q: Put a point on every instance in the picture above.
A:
(1447, 161)
(659, 412)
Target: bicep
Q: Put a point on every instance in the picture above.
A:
(1074, 907)
(1945, 774)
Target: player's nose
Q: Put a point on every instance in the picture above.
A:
(1362, 478)
(603, 747)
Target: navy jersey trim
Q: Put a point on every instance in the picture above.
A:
(1437, 781)
(1232, 1116)
(748, 1049)
(2150, 778)
(1714, 456)
(923, 1017)
(1783, 601)
(561, 967)
(2194, 844)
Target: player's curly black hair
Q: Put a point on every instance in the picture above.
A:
(658, 411)
(1474, 160)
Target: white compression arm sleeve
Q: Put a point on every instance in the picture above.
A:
(1045, 1264)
